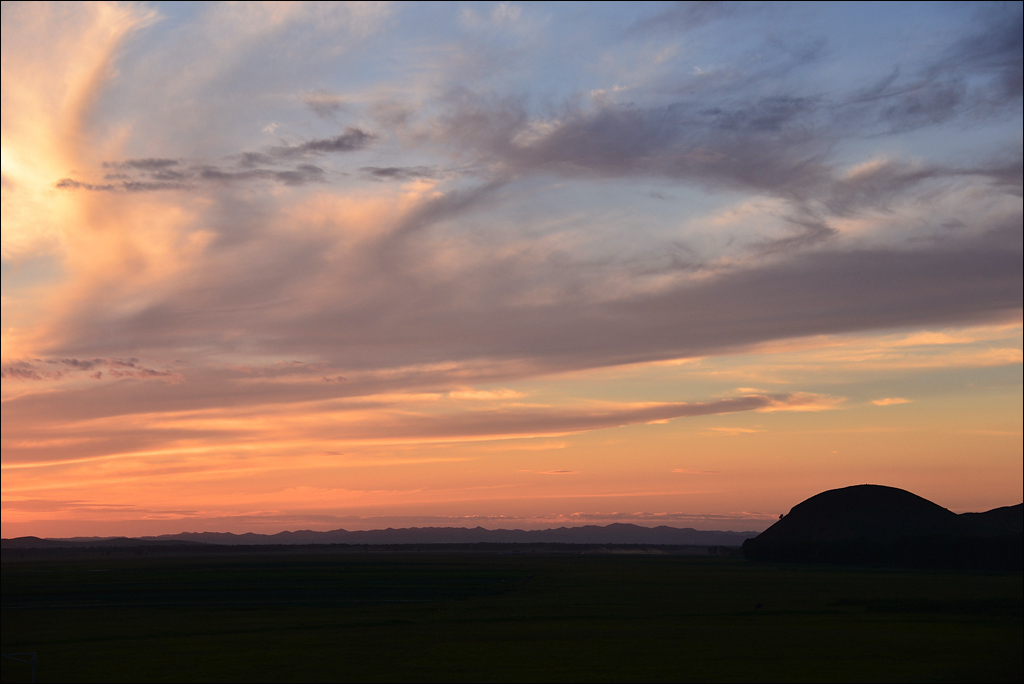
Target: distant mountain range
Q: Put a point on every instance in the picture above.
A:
(616, 533)
(863, 524)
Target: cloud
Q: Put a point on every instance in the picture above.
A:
(522, 421)
(56, 59)
(122, 186)
(441, 216)
(891, 401)
(351, 140)
(147, 175)
(485, 395)
(977, 75)
(763, 145)
(62, 369)
(23, 371)
(726, 135)
(324, 105)
(680, 17)
(732, 431)
(396, 173)
(477, 309)
(552, 472)
(980, 74)
(52, 506)
(299, 175)
(802, 401)
(778, 144)
(158, 165)
(171, 423)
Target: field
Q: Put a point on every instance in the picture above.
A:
(426, 615)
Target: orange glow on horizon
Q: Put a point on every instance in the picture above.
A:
(256, 278)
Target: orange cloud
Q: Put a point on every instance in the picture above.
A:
(891, 401)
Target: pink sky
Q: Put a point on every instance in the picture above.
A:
(310, 266)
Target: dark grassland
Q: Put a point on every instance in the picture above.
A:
(300, 615)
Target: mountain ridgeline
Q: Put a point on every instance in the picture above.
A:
(617, 533)
(866, 524)
(886, 526)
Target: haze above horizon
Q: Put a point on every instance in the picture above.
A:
(322, 265)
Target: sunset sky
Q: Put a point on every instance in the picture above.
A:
(313, 266)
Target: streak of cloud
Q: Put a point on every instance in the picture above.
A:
(890, 401)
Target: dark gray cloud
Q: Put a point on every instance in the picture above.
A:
(811, 229)
(750, 126)
(780, 144)
(248, 160)
(72, 184)
(124, 184)
(324, 105)
(351, 140)
(143, 164)
(147, 175)
(978, 76)
(885, 182)
(399, 173)
(554, 312)
(878, 186)
(59, 368)
(723, 134)
(193, 177)
(300, 175)
(23, 370)
(680, 17)
(994, 51)
(398, 312)
(769, 145)
(1006, 173)
(447, 206)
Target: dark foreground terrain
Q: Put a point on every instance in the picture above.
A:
(345, 614)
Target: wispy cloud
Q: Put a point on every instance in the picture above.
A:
(263, 234)
(98, 428)
(890, 401)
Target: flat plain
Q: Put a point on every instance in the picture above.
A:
(422, 614)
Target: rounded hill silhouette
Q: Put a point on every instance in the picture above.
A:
(862, 511)
(878, 525)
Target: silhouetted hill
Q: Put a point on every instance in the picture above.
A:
(863, 511)
(877, 525)
(1005, 520)
(37, 543)
(32, 543)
